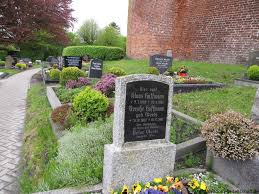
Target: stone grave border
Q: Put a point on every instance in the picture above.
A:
(185, 88)
(247, 83)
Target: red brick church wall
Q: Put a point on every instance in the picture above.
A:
(218, 31)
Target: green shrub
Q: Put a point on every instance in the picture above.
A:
(90, 104)
(3, 54)
(117, 71)
(253, 72)
(54, 74)
(2, 63)
(153, 70)
(100, 52)
(230, 135)
(70, 73)
(67, 96)
(21, 65)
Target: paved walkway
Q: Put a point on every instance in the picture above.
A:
(13, 92)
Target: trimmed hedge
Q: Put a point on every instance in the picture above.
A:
(100, 52)
(2, 63)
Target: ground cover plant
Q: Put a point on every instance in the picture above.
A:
(40, 144)
(10, 71)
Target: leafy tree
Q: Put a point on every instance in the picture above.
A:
(115, 26)
(74, 39)
(88, 31)
(40, 46)
(20, 19)
(109, 36)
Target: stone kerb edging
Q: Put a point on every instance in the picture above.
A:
(52, 97)
(255, 109)
(247, 83)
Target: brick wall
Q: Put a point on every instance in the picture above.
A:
(218, 31)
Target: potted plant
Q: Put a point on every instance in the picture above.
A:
(183, 72)
(232, 143)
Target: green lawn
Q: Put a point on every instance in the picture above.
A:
(216, 72)
(10, 71)
(40, 144)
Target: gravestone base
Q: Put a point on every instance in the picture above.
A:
(128, 165)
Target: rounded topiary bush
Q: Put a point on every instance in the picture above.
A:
(100, 52)
(231, 136)
(54, 74)
(117, 71)
(90, 104)
(153, 70)
(253, 72)
(70, 73)
(21, 65)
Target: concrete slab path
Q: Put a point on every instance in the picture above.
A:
(13, 93)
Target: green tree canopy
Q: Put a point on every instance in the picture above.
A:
(88, 31)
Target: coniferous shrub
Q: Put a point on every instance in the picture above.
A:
(117, 71)
(230, 135)
(253, 72)
(70, 73)
(90, 104)
(54, 74)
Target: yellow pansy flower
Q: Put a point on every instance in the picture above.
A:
(176, 180)
(147, 185)
(203, 186)
(165, 189)
(158, 180)
(125, 190)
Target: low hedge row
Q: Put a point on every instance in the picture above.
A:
(100, 52)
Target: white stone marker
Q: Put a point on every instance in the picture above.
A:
(141, 149)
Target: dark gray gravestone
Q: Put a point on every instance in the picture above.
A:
(162, 63)
(96, 68)
(253, 58)
(146, 111)
(70, 61)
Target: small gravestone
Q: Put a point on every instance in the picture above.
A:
(253, 58)
(162, 63)
(96, 68)
(52, 60)
(141, 149)
(9, 61)
(70, 61)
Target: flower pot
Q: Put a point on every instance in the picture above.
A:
(243, 174)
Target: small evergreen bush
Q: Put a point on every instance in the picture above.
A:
(106, 85)
(54, 74)
(70, 73)
(153, 70)
(230, 135)
(100, 52)
(21, 66)
(253, 72)
(90, 104)
(2, 63)
(117, 71)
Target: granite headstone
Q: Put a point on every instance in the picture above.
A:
(96, 68)
(73, 61)
(161, 62)
(141, 148)
(253, 58)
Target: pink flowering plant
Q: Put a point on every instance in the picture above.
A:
(106, 85)
(81, 82)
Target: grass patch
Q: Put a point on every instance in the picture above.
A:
(203, 105)
(216, 72)
(10, 71)
(40, 144)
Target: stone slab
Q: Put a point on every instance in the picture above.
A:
(185, 88)
(255, 109)
(243, 174)
(52, 97)
(138, 163)
(246, 82)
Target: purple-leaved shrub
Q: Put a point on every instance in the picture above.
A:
(82, 81)
(107, 84)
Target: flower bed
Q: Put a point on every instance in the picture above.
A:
(196, 184)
